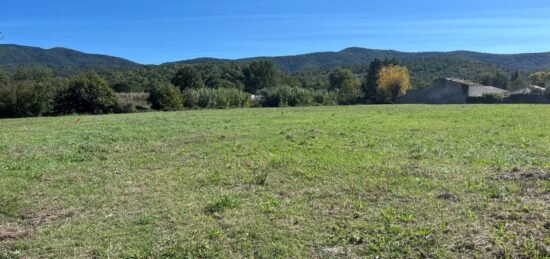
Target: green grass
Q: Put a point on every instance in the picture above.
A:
(389, 181)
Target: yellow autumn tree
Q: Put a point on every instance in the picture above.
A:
(394, 81)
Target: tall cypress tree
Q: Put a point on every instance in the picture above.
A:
(371, 80)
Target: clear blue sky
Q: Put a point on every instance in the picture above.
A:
(168, 30)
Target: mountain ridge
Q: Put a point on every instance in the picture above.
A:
(360, 56)
(66, 61)
(58, 58)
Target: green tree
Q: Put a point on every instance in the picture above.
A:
(87, 93)
(517, 81)
(222, 83)
(260, 74)
(20, 99)
(497, 79)
(500, 80)
(188, 77)
(290, 80)
(485, 78)
(515, 75)
(165, 97)
(29, 92)
(215, 73)
(371, 79)
(347, 85)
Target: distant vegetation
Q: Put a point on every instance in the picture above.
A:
(61, 81)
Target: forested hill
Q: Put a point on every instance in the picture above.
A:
(67, 61)
(361, 56)
(525, 62)
(61, 60)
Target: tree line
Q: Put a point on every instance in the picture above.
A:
(36, 91)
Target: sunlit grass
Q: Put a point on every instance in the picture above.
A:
(392, 181)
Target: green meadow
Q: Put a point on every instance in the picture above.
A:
(350, 181)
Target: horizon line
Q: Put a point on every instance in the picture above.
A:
(272, 56)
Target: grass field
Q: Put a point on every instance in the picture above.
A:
(389, 181)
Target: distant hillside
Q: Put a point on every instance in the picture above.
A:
(424, 65)
(61, 60)
(362, 56)
(423, 70)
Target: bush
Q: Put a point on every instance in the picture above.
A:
(87, 93)
(347, 85)
(293, 96)
(26, 98)
(165, 97)
(191, 98)
(220, 98)
(134, 102)
(18, 100)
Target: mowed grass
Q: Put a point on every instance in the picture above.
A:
(388, 181)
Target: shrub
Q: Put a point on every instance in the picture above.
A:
(347, 85)
(324, 97)
(226, 98)
(29, 92)
(133, 102)
(17, 100)
(26, 98)
(223, 203)
(87, 93)
(205, 98)
(220, 98)
(293, 96)
(493, 96)
(165, 97)
(191, 98)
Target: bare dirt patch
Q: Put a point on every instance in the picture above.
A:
(8, 232)
(29, 224)
(525, 174)
(448, 196)
(50, 216)
(334, 251)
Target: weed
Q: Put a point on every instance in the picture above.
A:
(223, 203)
